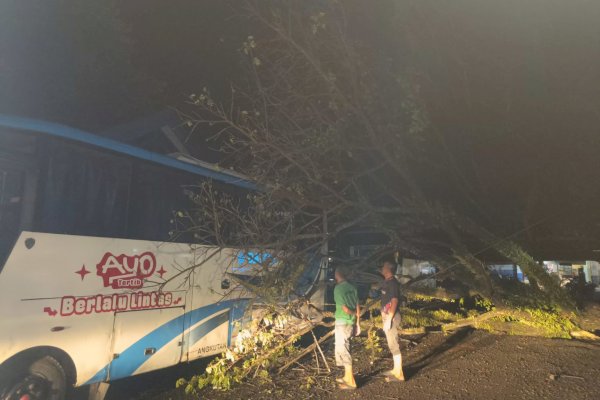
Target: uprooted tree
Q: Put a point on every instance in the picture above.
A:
(329, 123)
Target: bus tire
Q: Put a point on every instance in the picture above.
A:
(42, 379)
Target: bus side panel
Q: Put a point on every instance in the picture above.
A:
(64, 291)
(38, 286)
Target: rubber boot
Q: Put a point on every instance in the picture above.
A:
(397, 371)
(349, 376)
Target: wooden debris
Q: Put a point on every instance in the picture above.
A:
(305, 351)
(584, 335)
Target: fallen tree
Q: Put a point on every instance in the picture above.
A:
(334, 133)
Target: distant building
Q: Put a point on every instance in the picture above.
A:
(564, 270)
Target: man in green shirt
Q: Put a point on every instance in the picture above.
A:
(347, 316)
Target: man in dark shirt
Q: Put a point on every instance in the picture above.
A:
(390, 298)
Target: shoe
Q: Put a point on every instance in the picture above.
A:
(390, 377)
(344, 386)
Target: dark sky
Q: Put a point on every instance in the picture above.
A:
(60, 58)
(514, 85)
(187, 43)
(95, 64)
(70, 49)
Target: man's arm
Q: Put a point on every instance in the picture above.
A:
(395, 299)
(393, 305)
(347, 310)
(351, 311)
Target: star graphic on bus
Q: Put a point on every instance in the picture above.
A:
(161, 271)
(82, 272)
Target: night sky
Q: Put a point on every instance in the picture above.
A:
(514, 86)
(96, 64)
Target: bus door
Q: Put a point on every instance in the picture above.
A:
(213, 305)
(148, 339)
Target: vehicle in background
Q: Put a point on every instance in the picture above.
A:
(367, 245)
(507, 271)
(565, 271)
(418, 271)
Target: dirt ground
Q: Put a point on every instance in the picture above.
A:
(477, 365)
(467, 364)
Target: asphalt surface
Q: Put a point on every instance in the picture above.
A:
(466, 365)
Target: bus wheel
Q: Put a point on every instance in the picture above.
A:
(44, 379)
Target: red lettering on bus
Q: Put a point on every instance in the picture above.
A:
(126, 272)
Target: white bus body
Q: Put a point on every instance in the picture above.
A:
(99, 302)
(78, 305)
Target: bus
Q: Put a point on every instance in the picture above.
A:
(92, 289)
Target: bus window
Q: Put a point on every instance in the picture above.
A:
(17, 170)
(156, 194)
(83, 191)
(11, 192)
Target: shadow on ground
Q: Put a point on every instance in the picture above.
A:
(432, 357)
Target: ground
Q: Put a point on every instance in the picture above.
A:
(513, 361)
(466, 364)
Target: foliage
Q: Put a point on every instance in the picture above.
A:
(552, 322)
(335, 135)
(580, 291)
(258, 349)
(461, 305)
(372, 344)
(515, 294)
(412, 318)
(476, 302)
(428, 298)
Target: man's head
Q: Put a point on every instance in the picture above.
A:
(387, 269)
(340, 274)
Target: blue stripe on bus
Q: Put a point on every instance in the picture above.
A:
(203, 329)
(133, 357)
(67, 132)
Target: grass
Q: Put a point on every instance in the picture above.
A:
(423, 318)
(531, 319)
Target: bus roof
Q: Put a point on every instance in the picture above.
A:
(73, 134)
